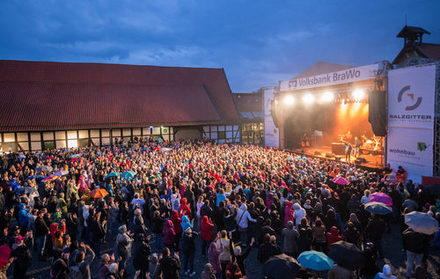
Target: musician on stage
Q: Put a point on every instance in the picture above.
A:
(357, 146)
(348, 149)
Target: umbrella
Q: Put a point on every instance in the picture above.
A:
(315, 260)
(410, 204)
(378, 208)
(381, 197)
(128, 174)
(98, 193)
(50, 177)
(61, 173)
(281, 267)
(433, 189)
(15, 186)
(341, 181)
(37, 176)
(113, 174)
(347, 255)
(45, 169)
(5, 251)
(26, 190)
(421, 222)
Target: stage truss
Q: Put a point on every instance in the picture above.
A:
(436, 147)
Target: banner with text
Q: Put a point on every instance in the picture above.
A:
(411, 97)
(333, 78)
(411, 148)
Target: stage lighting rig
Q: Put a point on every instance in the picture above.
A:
(288, 100)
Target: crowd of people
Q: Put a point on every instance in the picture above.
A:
(158, 203)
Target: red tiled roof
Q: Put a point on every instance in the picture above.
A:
(52, 95)
(431, 51)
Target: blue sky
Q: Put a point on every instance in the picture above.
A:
(257, 42)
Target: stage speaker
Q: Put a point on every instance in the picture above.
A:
(360, 160)
(316, 153)
(329, 155)
(273, 113)
(377, 112)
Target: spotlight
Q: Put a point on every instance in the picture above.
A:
(308, 98)
(358, 94)
(289, 100)
(327, 97)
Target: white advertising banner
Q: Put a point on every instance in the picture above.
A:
(412, 149)
(411, 97)
(271, 132)
(333, 78)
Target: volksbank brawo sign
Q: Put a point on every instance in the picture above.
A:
(333, 78)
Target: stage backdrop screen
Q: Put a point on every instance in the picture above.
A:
(411, 98)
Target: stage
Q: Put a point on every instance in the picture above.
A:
(325, 152)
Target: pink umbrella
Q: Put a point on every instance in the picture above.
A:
(341, 181)
(4, 255)
(381, 197)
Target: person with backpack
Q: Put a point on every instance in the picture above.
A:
(141, 255)
(243, 217)
(83, 259)
(169, 265)
(59, 268)
(189, 251)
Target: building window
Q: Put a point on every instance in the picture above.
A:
(221, 135)
(49, 144)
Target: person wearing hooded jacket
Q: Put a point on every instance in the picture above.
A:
(168, 234)
(186, 223)
(333, 236)
(177, 225)
(206, 233)
(298, 214)
(385, 274)
(243, 217)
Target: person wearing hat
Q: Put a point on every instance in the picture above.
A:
(385, 274)
(189, 251)
(23, 257)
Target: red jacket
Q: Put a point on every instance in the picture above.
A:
(207, 229)
(177, 221)
(184, 208)
(168, 233)
(333, 236)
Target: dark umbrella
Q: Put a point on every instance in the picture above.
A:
(347, 255)
(281, 267)
(378, 208)
(433, 189)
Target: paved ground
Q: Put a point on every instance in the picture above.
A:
(392, 247)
